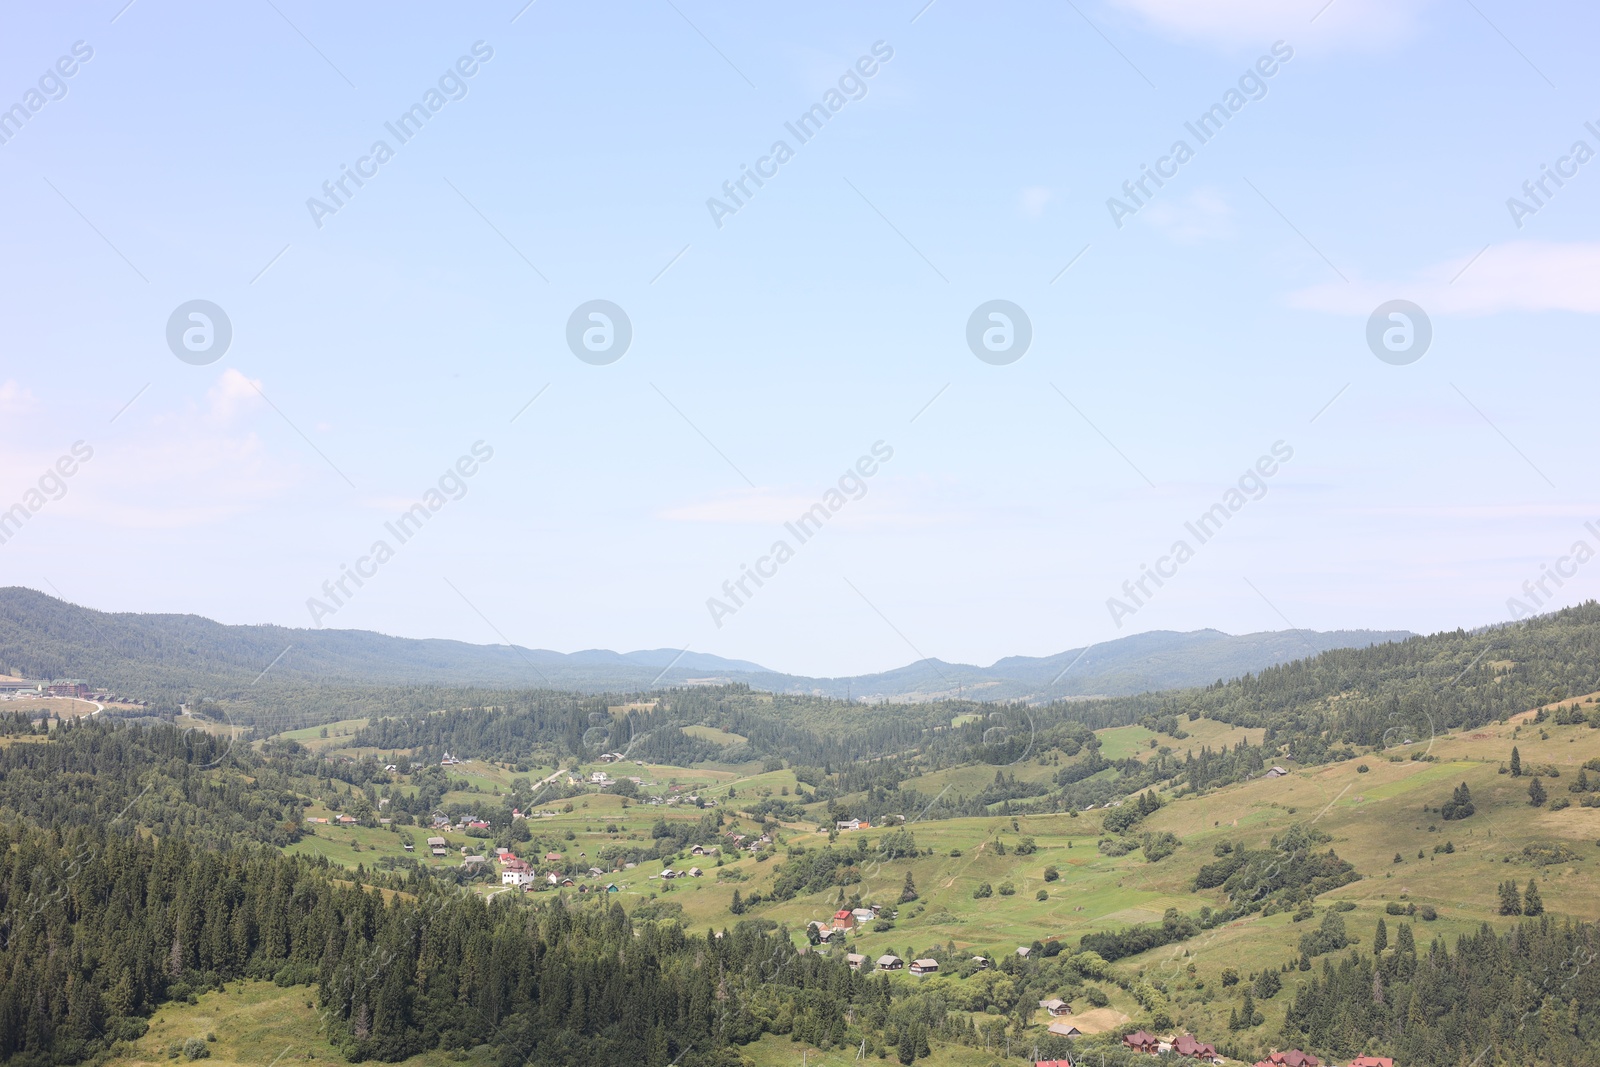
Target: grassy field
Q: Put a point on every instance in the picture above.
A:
(318, 738)
(58, 707)
(714, 735)
(256, 1024)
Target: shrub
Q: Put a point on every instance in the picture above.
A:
(1051, 874)
(195, 1048)
(984, 890)
(1007, 889)
(1042, 895)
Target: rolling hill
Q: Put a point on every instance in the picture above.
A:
(167, 658)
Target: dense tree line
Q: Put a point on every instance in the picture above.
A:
(1524, 996)
(99, 929)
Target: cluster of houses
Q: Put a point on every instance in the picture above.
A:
(462, 824)
(743, 842)
(1186, 1045)
(845, 920)
(1296, 1058)
(519, 873)
(1191, 1047)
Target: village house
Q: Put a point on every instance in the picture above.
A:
(1024, 951)
(1372, 1061)
(437, 845)
(983, 962)
(1293, 1058)
(347, 820)
(519, 878)
(843, 919)
(1052, 1063)
(552, 857)
(1195, 1049)
(863, 915)
(409, 847)
(890, 962)
(1142, 1041)
(1062, 1028)
(848, 824)
(1056, 1007)
(855, 959)
(924, 966)
(1275, 772)
(701, 850)
(695, 872)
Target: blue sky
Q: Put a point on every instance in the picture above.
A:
(770, 353)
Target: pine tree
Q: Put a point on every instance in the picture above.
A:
(1536, 793)
(1380, 938)
(1510, 899)
(1405, 942)
(736, 906)
(1532, 904)
(909, 892)
(1516, 762)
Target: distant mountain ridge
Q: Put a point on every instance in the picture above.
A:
(153, 655)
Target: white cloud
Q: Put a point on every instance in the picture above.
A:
(14, 398)
(1033, 199)
(1516, 276)
(1201, 215)
(232, 394)
(1256, 23)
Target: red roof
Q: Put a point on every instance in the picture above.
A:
(1052, 1063)
(843, 915)
(1372, 1061)
(1189, 1045)
(1141, 1039)
(1293, 1058)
